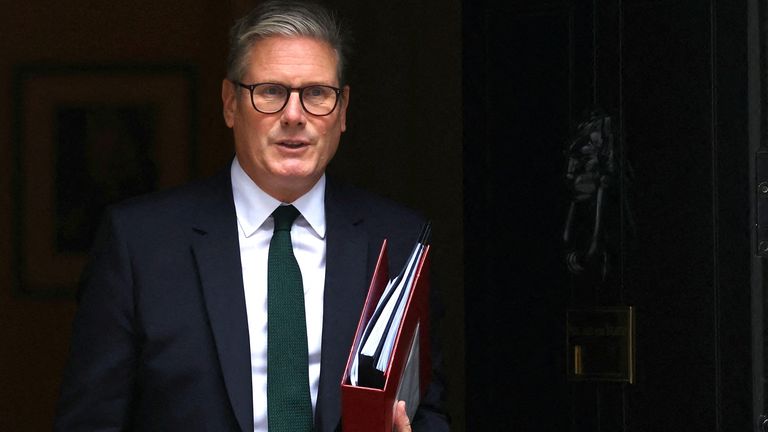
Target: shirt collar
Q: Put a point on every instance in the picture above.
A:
(253, 206)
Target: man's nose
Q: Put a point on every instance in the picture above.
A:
(293, 113)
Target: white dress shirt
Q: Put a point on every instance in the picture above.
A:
(254, 207)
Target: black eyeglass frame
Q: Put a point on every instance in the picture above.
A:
(299, 90)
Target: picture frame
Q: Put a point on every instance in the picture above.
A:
(85, 137)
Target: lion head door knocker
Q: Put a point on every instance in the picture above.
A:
(590, 173)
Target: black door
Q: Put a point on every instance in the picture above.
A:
(675, 241)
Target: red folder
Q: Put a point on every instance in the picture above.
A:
(365, 409)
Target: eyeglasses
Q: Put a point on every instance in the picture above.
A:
(269, 98)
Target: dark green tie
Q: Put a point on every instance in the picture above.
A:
(289, 406)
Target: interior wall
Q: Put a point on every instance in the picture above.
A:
(404, 141)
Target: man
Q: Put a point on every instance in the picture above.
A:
(176, 327)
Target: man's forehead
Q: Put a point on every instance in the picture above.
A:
(308, 58)
(308, 48)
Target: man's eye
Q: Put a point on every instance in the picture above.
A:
(315, 91)
(271, 91)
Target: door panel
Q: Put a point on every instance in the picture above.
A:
(673, 77)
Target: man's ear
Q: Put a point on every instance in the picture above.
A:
(229, 101)
(343, 108)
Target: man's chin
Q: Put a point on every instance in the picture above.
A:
(293, 176)
(299, 178)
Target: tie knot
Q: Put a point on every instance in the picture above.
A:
(284, 217)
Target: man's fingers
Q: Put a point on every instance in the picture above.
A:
(401, 421)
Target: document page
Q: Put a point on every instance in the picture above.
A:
(408, 390)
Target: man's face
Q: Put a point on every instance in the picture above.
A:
(285, 153)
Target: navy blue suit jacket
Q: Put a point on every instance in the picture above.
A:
(160, 340)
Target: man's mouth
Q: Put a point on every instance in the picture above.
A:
(292, 144)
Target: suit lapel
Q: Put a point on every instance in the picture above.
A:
(217, 254)
(345, 290)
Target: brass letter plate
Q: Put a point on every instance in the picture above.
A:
(601, 344)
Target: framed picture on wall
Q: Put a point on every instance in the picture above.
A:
(86, 137)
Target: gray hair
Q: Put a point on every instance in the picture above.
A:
(284, 18)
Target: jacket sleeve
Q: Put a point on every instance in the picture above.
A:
(431, 415)
(98, 383)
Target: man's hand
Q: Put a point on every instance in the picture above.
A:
(401, 421)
